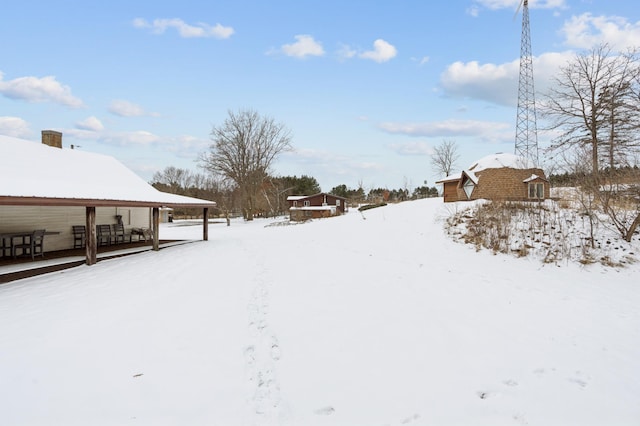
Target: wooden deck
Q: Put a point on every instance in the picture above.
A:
(24, 267)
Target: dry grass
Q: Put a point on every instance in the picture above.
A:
(552, 231)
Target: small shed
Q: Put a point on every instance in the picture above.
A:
(497, 177)
(304, 207)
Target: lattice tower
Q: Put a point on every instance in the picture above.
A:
(526, 128)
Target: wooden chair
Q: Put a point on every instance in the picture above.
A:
(79, 236)
(5, 247)
(31, 245)
(119, 234)
(103, 235)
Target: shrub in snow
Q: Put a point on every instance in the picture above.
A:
(549, 231)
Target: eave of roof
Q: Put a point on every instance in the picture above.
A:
(89, 202)
(450, 178)
(304, 197)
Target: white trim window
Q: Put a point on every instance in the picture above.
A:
(536, 190)
(307, 203)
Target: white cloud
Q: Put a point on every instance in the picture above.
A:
(34, 89)
(382, 51)
(447, 128)
(200, 30)
(585, 31)
(412, 148)
(346, 51)
(489, 82)
(473, 11)
(498, 83)
(125, 108)
(90, 123)
(14, 126)
(304, 46)
(139, 137)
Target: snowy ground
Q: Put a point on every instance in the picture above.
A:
(344, 321)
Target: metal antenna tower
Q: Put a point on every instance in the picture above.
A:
(526, 129)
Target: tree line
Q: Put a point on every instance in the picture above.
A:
(269, 200)
(238, 175)
(271, 197)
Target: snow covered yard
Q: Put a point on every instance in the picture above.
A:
(341, 321)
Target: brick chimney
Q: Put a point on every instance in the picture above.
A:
(52, 138)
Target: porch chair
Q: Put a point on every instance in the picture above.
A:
(103, 235)
(79, 236)
(119, 234)
(5, 247)
(31, 245)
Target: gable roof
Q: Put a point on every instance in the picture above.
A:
(534, 177)
(304, 197)
(32, 173)
(468, 173)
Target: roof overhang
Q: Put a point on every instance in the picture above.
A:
(88, 202)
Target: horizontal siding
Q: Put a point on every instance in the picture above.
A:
(61, 219)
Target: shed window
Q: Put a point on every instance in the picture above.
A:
(307, 203)
(536, 190)
(468, 187)
(338, 203)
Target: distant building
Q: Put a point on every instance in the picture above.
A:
(497, 177)
(304, 207)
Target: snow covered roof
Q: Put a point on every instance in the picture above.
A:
(532, 178)
(33, 173)
(303, 197)
(470, 175)
(502, 160)
(450, 178)
(309, 208)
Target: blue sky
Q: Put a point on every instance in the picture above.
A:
(366, 88)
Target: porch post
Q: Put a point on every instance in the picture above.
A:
(156, 228)
(91, 242)
(205, 224)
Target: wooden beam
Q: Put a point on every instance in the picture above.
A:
(91, 242)
(205, 224)
(156, 228)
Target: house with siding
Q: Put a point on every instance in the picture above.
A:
(305, 207)
(501, 176)
(43, 186)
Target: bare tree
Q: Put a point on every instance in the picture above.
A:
(621, 102)
(243, 150)
(444, 157)
(173, 179)
(590, 101)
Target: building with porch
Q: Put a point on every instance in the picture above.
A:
(44, 186)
